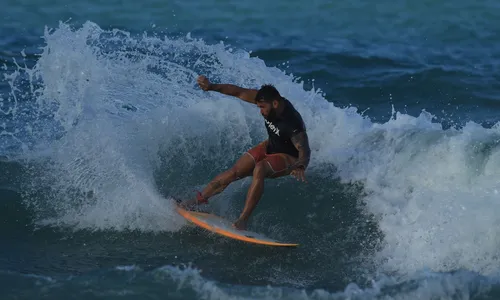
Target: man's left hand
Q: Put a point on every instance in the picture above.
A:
(299, 174)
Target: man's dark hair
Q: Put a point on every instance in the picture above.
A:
(267, 93)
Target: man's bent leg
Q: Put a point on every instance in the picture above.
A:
(260, 172)
(242, 168)
(273, 166)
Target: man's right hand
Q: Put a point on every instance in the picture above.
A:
(203, 83)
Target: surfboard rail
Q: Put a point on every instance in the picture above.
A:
(221, 226)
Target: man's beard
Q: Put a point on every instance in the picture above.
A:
(272, 115)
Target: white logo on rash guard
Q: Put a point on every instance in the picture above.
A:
(272, 127)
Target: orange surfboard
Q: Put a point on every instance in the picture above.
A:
(222, 226)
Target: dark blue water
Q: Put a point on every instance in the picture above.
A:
(101, 122)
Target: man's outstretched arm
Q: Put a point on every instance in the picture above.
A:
(244, 94)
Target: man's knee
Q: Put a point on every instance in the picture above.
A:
(261, 169)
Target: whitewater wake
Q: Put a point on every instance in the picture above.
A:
(116, 119)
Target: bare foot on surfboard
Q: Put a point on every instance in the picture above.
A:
(190, 204)
(186, 204)
(240, 224)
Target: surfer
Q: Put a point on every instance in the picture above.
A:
(285, 152)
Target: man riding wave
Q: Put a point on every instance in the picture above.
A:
(285, 152)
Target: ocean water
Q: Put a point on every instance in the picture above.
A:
(102, 123)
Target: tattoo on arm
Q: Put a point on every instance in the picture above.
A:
(301, 142)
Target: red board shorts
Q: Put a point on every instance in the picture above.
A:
(279, 162)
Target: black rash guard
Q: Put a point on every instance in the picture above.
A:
(280, 129)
